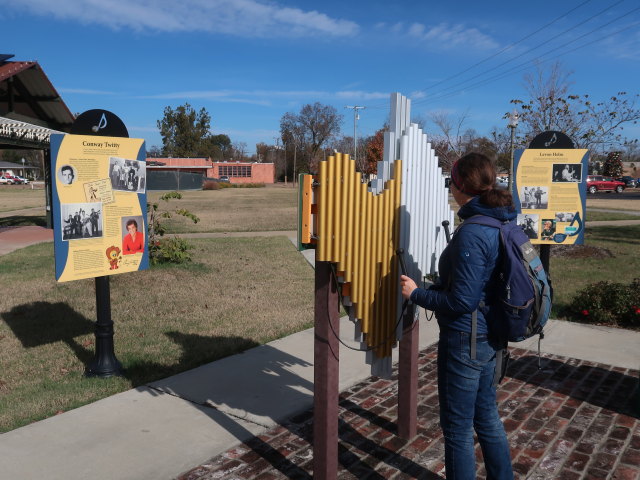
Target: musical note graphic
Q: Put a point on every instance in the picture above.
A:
(101, 124)
(560, 237)
(553, 140)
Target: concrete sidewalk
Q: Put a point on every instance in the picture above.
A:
(165, 428)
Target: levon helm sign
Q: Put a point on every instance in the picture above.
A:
(99, 205)
(549, 190)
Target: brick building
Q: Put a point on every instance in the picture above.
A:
(238, 172)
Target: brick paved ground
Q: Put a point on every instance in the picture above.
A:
(571, 420)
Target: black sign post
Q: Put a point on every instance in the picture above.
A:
(105, 364)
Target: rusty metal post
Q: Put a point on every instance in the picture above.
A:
(326, 375)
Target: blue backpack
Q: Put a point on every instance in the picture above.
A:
(521, 305)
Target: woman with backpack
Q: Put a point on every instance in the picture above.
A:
(468, 268)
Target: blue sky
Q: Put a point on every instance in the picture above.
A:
(250, 61)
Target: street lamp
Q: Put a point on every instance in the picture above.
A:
(513, 124)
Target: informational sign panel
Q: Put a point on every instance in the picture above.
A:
(99, 205)
(550, 194)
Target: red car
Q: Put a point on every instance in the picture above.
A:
(598, 183)
(11, 180)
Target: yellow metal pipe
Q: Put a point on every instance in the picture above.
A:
(329, 204)
(354, 229)
(322, 211)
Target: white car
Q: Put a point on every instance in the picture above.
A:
(4, 181)
(502, 182)
(22, 179)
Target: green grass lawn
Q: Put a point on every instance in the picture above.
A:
(597, 216)
(235, 210)
(572, 274)
(238, 293)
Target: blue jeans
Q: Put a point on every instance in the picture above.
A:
(467, 402)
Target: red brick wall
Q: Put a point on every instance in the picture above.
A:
(260, 172)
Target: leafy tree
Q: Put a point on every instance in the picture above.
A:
(374, 152)
(589, 124)
(310, 130)
(613, 165)
(185, 133)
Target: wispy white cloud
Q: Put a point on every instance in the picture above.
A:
(448, 36)
(358, 94)
(244, 18)
(133, 128)
(625, 46)
(256, 132)
(264, 97)
(84, 91)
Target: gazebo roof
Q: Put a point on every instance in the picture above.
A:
(27, 97)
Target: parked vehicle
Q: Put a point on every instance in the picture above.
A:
(224, 178)
(10, 179)
(628, 180)
(22, 179)
(4, 181)
(598, 183)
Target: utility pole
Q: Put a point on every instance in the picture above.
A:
(356, 117)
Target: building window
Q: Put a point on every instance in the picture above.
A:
(234, 170)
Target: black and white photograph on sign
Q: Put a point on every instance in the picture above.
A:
(548, 229)
(567, 172)
(529, 223)
(534, 197)
(565, 216)
(81, 220)
(66, 174)
(127, 175)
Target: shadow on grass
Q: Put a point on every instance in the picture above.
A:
(42, 323)
(23, 221)
(197, 350)
(625, 234)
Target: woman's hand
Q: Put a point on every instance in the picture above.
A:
(408, 286)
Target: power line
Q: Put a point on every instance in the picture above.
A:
(503, 50)
(526, 64)
(423, 100)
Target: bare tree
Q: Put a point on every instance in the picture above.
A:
(589, 124)
(310, 129)
(448, 143)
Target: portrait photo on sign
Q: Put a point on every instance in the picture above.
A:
(548, 229)
(67, 174)
(132, 235)
(127, 175)
(565, 216)
(81, 220)
(534, 197)
(529, 223)
(567, 172)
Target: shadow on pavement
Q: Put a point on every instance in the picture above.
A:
(610, 389)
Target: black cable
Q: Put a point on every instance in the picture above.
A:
(439, 95)
(368, 349)
(524, 65)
